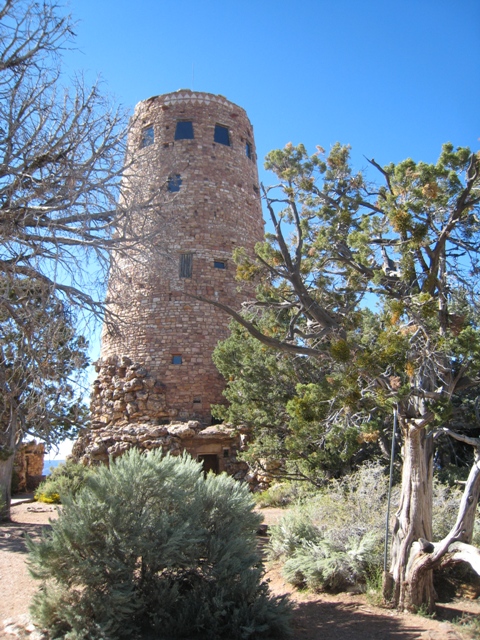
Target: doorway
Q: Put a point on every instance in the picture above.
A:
(210, 462)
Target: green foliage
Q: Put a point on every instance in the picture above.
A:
(285, 401)
(66, 479)
(150, 548)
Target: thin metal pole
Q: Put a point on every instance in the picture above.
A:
(392, 456)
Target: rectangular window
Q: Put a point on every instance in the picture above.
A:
(174, 183)
(177, 359)
(186, 262)
(248, 150)
(184, 130)
(219, 264)
(148, 137)
(221, 135)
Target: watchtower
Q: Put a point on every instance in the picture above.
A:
(191, 163)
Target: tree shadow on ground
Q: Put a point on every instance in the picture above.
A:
(331, 621)
(13, 535)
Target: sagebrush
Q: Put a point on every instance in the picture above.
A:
(335, 540)
(151, 548)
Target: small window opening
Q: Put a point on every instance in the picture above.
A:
(177, 359)
(218, 264)
(248, 150)
(186, 263)
(174, 183)
(197, 401)
(221, 135)
(226, 453)
(184, 130)
(148, 137)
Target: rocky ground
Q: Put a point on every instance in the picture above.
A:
(316, 617)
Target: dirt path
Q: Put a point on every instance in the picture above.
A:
(316, 617)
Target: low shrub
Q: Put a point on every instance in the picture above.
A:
(151, 548)
(446, 500)
(283, 494)
(66, 479)
(335, 539)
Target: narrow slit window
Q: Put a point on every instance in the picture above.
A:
(248, 150)
(219, 264)
(174, 183)
(186, 263)
(148, 137)
(221, 135)
(184, 130)
(177, 359)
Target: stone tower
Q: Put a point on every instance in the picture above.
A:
(191, 162)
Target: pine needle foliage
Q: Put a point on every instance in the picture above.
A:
(150, 548)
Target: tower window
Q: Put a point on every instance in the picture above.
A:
(177, 359)
(186, 260)
(174, 183)
(148, 137)
(184, 130)
(248, 150)
(221, 135)
(219, 264)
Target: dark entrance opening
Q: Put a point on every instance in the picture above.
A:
(210, 463)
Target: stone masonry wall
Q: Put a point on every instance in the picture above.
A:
(28, 466)
(100, 445)
(216, 209)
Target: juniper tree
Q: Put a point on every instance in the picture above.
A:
(409, 243)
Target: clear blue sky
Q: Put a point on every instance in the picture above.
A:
(392, 79)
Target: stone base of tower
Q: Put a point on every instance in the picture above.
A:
(126, 392)
(216, 446)
(129, 409)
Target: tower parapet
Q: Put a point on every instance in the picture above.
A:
(191, 156)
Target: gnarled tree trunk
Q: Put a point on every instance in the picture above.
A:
(7, 456)
(413, 520)
(414, 554)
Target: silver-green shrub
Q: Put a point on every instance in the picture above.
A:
(150, 548)
(336, 539)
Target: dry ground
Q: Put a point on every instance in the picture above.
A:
(316, 617)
